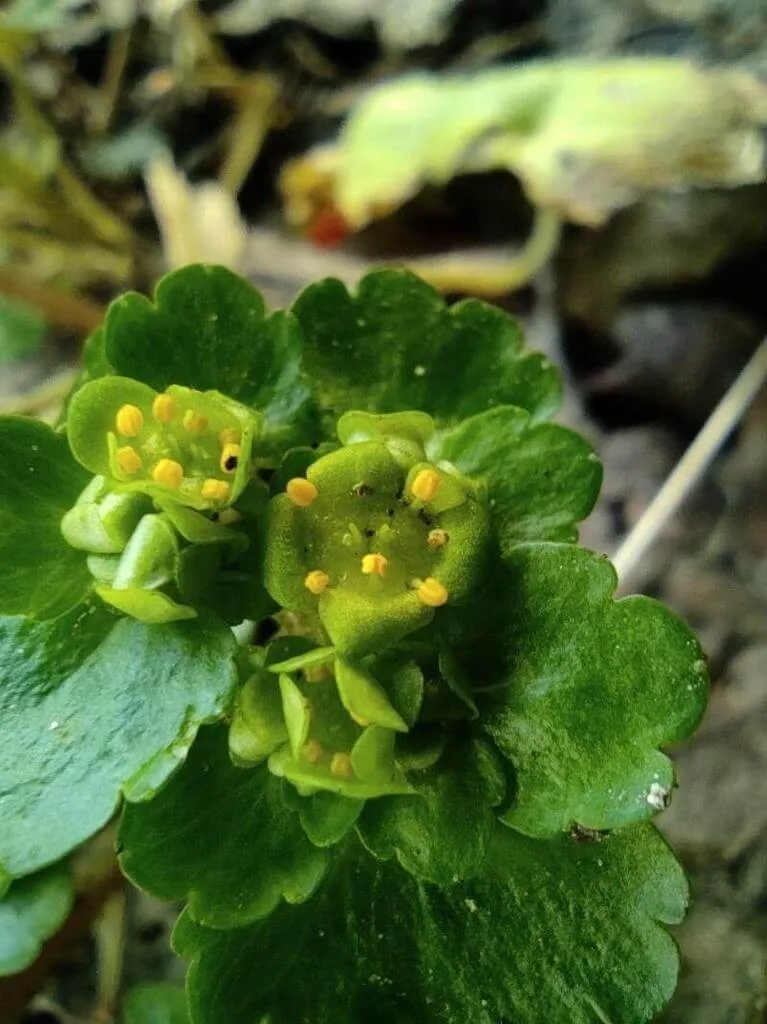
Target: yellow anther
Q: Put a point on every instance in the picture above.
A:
(437, 539)
(168, 472)
(215, 490)
(425, 485)
(316, 582)
(194, 421)
(128, 459)
(230, 457)
(301, 491)
(341, 764)
(374, 565)
(129, 420)
(432, 593)
(229, 435)
(364, 722)
(164, 408)
(312, 752)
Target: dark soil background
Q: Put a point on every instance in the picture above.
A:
(646, 355)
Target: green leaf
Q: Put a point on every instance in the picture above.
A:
(395, 346)
(91, 706)
(442, 834)
(208, 329)
(31, 911)
(22, 330)
(42, 575)
(553, 931)
(156, 1004)
(581, 691)
(543, 479)
(325, 817)
(221, 837)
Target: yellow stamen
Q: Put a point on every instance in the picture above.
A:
(215, 490)
(301, 491)
(437, 538)
(425, 485)
(168, 472)
(128, 459)
(229, 435)
(129, 420)
(316, 582)
(194, 421)
(341, 764)
(230, 457)
(432, 593)
(312, 752)
(164, 408)
(374, 565)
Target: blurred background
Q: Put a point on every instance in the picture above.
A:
(612, 197)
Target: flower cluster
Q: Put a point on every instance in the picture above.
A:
(168, 467)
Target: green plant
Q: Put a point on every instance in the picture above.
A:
(420, 786)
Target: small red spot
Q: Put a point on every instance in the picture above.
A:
(328, 229)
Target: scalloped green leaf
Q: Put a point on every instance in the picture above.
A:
(207, 328)
(42, 576)
(32, 910)
(91, 707)
(221, 837)
(580, 691)
(156, 1004)
(543, 479)
(551, 931)
(442, 833)
(394, 346)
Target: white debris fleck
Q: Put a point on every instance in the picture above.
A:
(52, 726)
(657, 797)
(420, 371)
(470, 905)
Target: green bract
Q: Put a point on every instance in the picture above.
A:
(424, 785)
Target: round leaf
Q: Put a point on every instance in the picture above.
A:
(91, 706)
(543, 479)
(395, 346)
(551, 931)
(580, 691)
(208, 329)
(31, 911)
(221, 837)
(42, 576)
